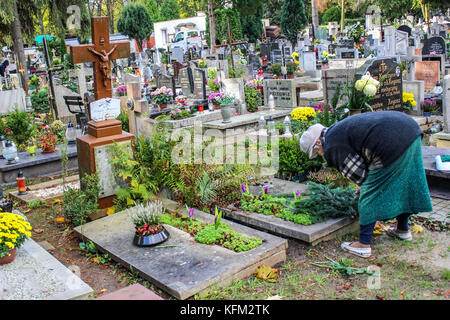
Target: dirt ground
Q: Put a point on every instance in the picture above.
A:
(416, 270)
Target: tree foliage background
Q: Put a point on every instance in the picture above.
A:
(135, 22)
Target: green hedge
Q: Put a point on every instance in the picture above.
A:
(220, 20)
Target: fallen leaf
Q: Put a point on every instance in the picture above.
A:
(103, 290)
(267, 273)
(123, 281)
(38, 231)
(347, 285)
(60, 220)
(277, 297)
(417, 228)
(380, 297)
(95, 260)
(447, 293)
(437, 248)
(110, 211)
(57, 201)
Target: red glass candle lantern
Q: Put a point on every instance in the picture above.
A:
(21, 183)
(200, 108)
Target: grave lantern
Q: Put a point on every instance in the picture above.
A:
(287, 126)
(271, 125)
(2, 146)
(71, 134)
(21, 185)
(262, 126)
(79, 131)
(271, 103)
(437, 90)
(10, 152)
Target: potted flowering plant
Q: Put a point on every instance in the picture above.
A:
(408, 101)
(428, 107)
(48, 139)
(215, 99)
(179, 114)
(121, 91)
(360, 93)
(15, 230)
(202, 63)
(148, 230)
(162, 96)
(253, 96)
(213, 80)
(226, 107)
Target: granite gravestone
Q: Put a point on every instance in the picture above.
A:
(389, 95)
(406, 29)
(199, 78)
(283, 92)
(434, 44)
(163, 80)
(345, 53)
(186, 81)
(332, 78)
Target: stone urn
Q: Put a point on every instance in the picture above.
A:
(227, 111)
(9, 257)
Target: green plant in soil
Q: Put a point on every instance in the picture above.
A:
(78, 204)
(216, 233)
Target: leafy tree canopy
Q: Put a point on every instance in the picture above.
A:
(170, 10)
(135, 22)
(293, 19)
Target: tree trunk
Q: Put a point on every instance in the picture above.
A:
(110, 13)
(16, 32)
(315, 17)
(212, 27)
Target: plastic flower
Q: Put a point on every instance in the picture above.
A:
(359, 85)
(244, 188)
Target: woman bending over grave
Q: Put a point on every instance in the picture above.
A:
(382, 153)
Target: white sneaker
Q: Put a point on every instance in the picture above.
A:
(360, 252)
(402, 236)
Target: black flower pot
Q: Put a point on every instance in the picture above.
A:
(300, 177)
(151, 240)
(6, 206)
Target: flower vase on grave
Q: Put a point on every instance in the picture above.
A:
(216, 106)
(226, 111)
(162, 107)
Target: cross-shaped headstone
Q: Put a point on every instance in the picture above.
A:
(100, 52)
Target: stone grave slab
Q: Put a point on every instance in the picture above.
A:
(312, 234)
(133, 292)
(45, 191)
(186, 267)
(438, 181)
(39, 165)
(36, 275)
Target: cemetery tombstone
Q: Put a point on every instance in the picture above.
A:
(406, 29)
(264, 50)
(186, 81)
(283, 92)
(427, 71)
(389, 95)
(177, 54)
(163, 80)
(332, 78)
(199, 89)
(345, 53)
(435, 45)
(95, 149)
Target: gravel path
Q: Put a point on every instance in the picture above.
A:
(53, 191)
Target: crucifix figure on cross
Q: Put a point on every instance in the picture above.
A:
(101, 52)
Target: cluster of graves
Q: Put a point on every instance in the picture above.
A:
(185, 268)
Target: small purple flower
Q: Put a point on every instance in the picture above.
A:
(178, 111)
(298, 193)
(216, 81)
(266, 190)
(244, 189)
(191, 212)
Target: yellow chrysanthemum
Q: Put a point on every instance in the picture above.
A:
(303, 113)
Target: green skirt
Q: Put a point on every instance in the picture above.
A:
(400, 188)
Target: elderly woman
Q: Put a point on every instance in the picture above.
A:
(3, 66)
(382, 153)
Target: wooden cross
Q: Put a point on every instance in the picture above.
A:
(100, 52)
(229, 44)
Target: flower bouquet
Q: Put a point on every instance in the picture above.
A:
(162, 96)
(408, 101)
(48, 139)
(215, 99)
(360, 93)
(253, 96)
(121, 91)
(15, 230)
(148, 230)
(179, 114)
(213, 82)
